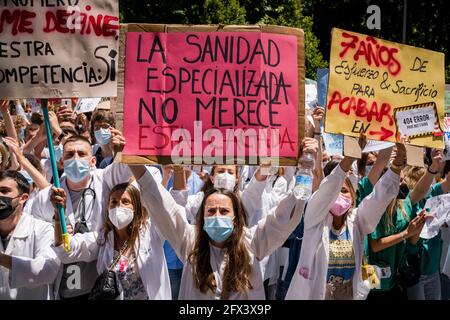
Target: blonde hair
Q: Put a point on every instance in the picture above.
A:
(413, 175)
(391, 210)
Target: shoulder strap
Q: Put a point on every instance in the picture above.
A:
(117, 258)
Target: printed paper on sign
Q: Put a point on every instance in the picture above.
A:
(87, 105)
(418, 121)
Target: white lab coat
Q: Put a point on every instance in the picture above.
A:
(309, 280)
(261, 240)
(102, 181)
(151, 262)
(34, 265)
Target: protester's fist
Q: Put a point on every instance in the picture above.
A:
(65, 113)
(54, 124)
(4, 105)
(310, 145)
(58, 197)
(318, 115)
(436, 157)
(117, 140)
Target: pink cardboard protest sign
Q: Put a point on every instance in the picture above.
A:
(200, 93)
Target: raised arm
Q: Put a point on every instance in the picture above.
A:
(379, 165)
(423, 185)
(9, 124)
(319, 175)
(321, 201)
(26, 165)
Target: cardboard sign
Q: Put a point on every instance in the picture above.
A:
(202, 96)
(58, 48)
(334, 144)
(371, 78)
(87, 105)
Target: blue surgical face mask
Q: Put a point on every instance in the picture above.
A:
(103, 136)
(27, 176)
(218, 229)
(76, 169)
(21, 134)
(58, 152)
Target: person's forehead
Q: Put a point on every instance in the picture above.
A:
(77, 146)
(121, 193)
(228, 167)
(8, 182)
(218, 200)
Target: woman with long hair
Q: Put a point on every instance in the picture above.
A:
(129, 238)
(330, 265)
(220, 254)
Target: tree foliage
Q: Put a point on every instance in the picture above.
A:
(284, 13)
(428, 22)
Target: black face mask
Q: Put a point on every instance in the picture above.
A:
(6, 208)
(403, 192)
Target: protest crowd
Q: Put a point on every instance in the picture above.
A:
(108, 127)
(372, 228)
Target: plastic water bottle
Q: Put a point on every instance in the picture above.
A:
(304, 177)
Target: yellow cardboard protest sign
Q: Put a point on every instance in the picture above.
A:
(385, 90)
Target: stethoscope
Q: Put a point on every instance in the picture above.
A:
(82, 202)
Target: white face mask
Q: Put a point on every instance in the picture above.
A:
(225, 181)
(120, 217)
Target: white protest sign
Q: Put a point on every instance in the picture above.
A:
(440, 211)
(87, 105)
(55, 49)
(373, 145)
(417, 121)
(311, 95)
